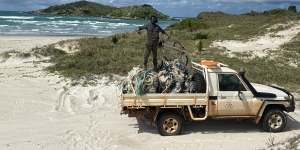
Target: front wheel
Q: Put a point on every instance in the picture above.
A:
(274, 121)
(169, 124)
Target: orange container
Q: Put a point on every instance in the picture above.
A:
(209, 63)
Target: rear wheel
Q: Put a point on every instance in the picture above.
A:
(169, 124)
(274, 121)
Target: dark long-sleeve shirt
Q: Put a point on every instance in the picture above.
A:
(153, 31)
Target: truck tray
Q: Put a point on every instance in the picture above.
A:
(168, 99)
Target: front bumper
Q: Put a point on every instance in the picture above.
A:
(290, 98)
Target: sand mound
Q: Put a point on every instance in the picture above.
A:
(79, 98)
(262, 45)
(69, 46)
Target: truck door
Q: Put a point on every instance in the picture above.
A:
(234, 99)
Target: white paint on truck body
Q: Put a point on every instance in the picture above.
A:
(280, 95)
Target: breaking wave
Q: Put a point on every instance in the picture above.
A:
(16, 17)
(16, 23)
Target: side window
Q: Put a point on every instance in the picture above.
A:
(230, 82)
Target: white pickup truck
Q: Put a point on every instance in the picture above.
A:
(225, 94)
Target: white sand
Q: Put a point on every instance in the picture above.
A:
(37, 113)
(261, 45)
(26, 43)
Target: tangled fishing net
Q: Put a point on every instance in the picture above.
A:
(172, 77)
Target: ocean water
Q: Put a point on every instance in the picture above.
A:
(19, 23)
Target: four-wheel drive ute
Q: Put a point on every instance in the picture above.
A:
(226, 94)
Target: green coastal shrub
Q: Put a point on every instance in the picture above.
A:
(292, 8)
(114, 39)
(191, 24)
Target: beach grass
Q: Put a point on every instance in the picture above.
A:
(7, 54)
(101, 56)
(222, 26)
(119, 53)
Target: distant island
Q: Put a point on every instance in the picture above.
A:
(86, 8)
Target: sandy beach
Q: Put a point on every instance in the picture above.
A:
(26, 43)
(42, 111)
(60, 91)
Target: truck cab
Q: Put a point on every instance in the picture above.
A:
(228, 94)
(222, 93)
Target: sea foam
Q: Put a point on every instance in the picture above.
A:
(16, 17)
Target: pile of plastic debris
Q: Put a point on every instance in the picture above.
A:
(172, 77)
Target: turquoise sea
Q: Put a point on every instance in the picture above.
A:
(20, 23)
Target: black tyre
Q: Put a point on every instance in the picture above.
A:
(199, 83)
(169, 124)
(274, 121)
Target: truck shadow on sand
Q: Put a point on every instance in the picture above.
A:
(219, 126)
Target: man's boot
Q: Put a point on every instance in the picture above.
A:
(145, 67)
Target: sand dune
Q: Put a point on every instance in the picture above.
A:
(262, 45)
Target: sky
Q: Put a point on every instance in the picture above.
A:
(174, 8)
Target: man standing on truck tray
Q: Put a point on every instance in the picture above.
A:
(152, 40)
